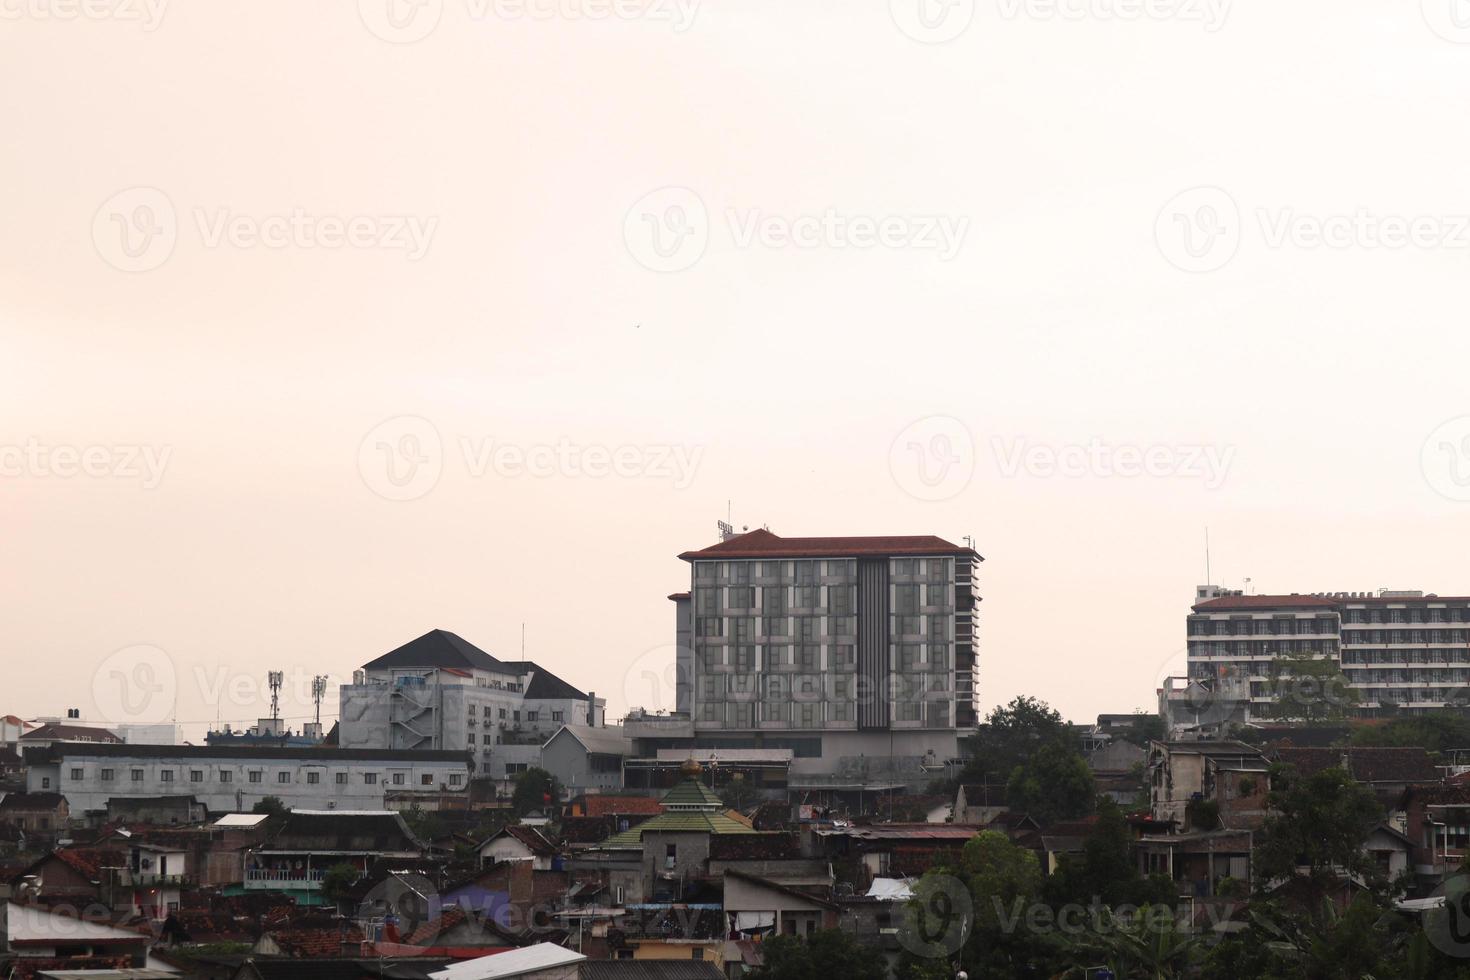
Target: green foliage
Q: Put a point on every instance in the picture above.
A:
(1105, 870)
(338, 881)
(1148, 944)
(1053, 784)
(1010, 734)
(426, 825)
(1004, 882)
(1144, 729)
(271, 806)
(1434, 731)
(1027, 746)
(825, 955)
(1202, 814)
(536, 789)
(1318, 823)
(1308, 688)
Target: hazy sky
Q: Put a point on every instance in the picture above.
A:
(326, 324)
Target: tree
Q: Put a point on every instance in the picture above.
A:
(1309, 688)
(1010, 734)
(1104, 869)
(275, 812)
(824, 955)
(1143, 729)
(1434, 731)
(536, 789)
(338, 881)
(1002, 884)
(1149, 944)
(1053, 784)
(1318, 824)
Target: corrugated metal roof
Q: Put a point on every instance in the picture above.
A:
(542, 956)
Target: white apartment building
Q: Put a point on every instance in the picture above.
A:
(232, 779)
(440, 691)
(1399, 650)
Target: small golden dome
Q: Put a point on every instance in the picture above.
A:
(691, 768)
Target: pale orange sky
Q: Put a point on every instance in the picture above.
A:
(1036, 177)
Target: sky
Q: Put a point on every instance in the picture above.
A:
(324, 325)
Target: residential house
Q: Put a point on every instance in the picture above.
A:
(41, 813)
(310, 842)
(519, 843)
(581, 757)
(1229, 774)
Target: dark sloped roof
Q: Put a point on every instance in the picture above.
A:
(546, 686)
(343, 830)
(761, 543)
(441, 648)
(31, 801)
(648, 970)
(437, 648)
(1366, 765)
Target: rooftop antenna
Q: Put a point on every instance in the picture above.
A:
(275, 678)
(523, 641)
(318, 691)
(1208, 580)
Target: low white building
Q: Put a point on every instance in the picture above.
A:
(235, 778)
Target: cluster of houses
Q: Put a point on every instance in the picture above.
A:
(661, 882)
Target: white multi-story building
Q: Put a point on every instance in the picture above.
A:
(232, 779)
(442, 692)
(1397, 650)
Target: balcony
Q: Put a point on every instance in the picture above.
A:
(272, 878)
(127, 878)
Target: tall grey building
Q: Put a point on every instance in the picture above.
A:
(838, 649)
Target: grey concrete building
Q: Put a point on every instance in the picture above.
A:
(441, 692)
(855, 653)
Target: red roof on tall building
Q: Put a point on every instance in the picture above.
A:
(762, 543)
(1244, 602)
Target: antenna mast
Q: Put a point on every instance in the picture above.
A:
(1208, 580)
(318, 691)
(275, 678)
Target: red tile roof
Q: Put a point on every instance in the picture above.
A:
(425, 934)
(1243, 602)
(325, 941)
(69, 733)
(89, 862)
(607, 805)
(761, 543)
